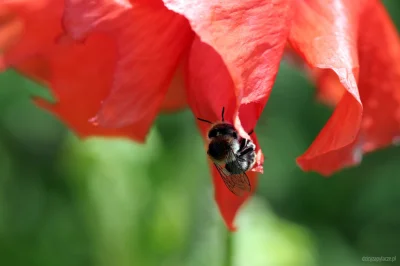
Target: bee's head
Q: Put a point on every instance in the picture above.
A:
(222, 130)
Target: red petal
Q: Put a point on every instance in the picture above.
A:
(228, 203)
(175, 99)
(36, 68)
(330, 90)
(234, 68)
(379, 53)
(325, 33)
(379, 76)
(79, 93)
(209, 89)
(151, 41)
(42, 23)
(11, 30)
(250, 37)
(80, 90)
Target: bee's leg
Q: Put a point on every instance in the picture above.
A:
(246, 154)
(251, 132)
(243, 143)
(246, 146)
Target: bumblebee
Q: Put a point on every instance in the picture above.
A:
(231, 154)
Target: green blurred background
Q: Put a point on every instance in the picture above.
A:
(112, 202)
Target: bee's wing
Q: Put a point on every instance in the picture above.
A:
(236, 183)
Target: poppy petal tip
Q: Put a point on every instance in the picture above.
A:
(258, 169)
(259, 163)
(232, 228)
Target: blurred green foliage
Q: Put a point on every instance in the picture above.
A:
(65, 201)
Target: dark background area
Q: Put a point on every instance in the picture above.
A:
(112, 202)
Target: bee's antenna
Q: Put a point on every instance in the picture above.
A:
(222, 115)
(203, 120)
(251, 132)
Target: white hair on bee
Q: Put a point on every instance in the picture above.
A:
(235, 146)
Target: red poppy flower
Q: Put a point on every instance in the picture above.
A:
(354, 55)
(113, 65)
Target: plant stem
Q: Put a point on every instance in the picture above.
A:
(228, 248)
